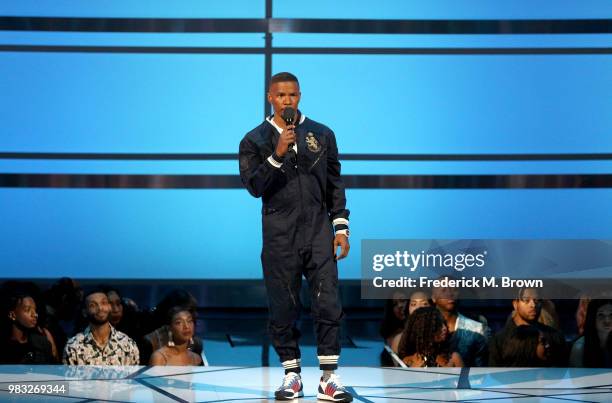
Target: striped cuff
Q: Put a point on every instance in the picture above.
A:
(341, 226)
(292, 365)
(275, 160)
(328, 362)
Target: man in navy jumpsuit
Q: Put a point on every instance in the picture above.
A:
(295, 170)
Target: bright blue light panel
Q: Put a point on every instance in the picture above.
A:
(213, 234)
(283, 39)
(459, 104)
(136, 8)
(443, 9)
(131, 39)
(129, 102)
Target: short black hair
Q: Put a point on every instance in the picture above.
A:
(95, 290)
(283, 77)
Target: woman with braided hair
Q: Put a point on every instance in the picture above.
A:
(424, 341)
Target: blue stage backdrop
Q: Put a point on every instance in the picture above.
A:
(154, 102)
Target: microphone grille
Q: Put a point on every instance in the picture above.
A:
(288, 114)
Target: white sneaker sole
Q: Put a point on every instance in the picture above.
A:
(322, 396)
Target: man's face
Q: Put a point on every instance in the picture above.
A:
(97, 308)
(116, 308)
(445, 298)
(282, 95)
(528, 306)
(25, 313)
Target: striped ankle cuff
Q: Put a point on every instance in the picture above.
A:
(292, 366)
(328, 362)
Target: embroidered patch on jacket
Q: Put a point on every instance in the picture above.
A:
(312, 143)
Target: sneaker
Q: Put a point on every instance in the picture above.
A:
(332, 390)
(291, 387)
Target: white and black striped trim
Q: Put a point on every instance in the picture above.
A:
(328, 362)
(328, 359)
(340, 221)
(291, 364)
(341, 226)
(274, 161)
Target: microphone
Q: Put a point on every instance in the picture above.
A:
(289, 116)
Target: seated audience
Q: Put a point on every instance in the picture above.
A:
(525, 346)
(100, 343)
(425, 341)
(158, 338)
(180, 337)
(592, 350)
(527, 309)
(394, 318)
(23, 341)
(63, 303)
(418, 299)
(467, 337)
(124, 315)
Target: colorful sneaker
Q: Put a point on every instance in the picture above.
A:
(332, 390)
(291, 387)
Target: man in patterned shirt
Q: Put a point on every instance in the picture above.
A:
(100, 343)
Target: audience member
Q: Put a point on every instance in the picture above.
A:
(425, 341)
(159, 337)
(527, 309)
(418, 299)
(467, 337)
(394, 318)
(124, 315)
(63, 301)
(180, 337)
(525, 346)
(100, 343)
(23, 340)
(592, 349)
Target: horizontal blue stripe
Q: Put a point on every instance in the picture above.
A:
(459, 104)
(132, 103)
(438, 41)
(192, 233)
(135, 8)
(131, 39)
(443, 9)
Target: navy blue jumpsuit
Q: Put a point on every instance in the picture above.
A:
(303, 202)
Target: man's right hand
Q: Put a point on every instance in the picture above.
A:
(285, 139)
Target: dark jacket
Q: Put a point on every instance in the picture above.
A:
(314, 183)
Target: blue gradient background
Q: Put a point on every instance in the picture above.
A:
(173, 103)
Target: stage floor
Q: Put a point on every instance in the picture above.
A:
(253, 384)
